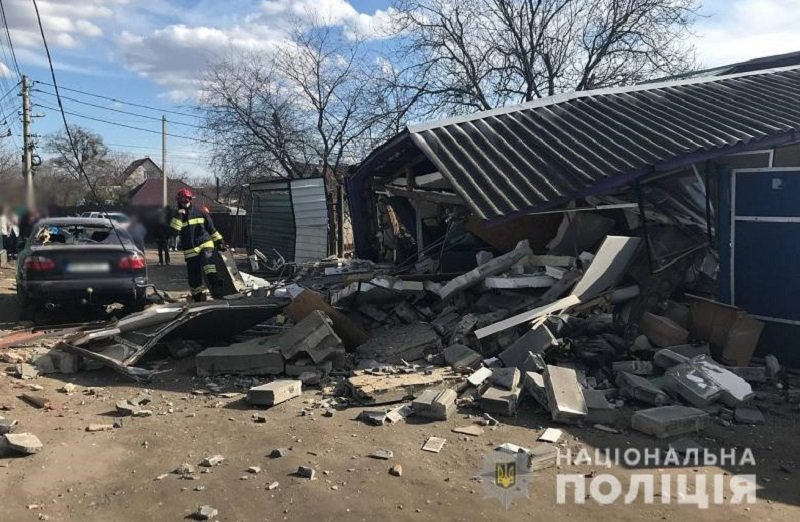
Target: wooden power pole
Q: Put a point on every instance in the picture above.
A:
(27, 145)
(164, 159)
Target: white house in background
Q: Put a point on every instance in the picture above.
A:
(141, 170)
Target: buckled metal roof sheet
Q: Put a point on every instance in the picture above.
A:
(515, 160)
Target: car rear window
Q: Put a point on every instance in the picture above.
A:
(76, 234)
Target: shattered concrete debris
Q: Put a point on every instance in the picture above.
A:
(667, 421)
(434, 444)
(535, 386)
(641, 389)
(405, 343)
(205, 513)
(508, 378)
(479, 376)
(600, 410)
(500, 401)
(435, 404)
(551, 435)
(307, 301)
(274, 393)
(23, 443)
(701, 381)
(99, 427)
(396, 470)
(536, 341)
(662, 331)
(564, 394)
(367, 387)
(748, 415)
(382, 454)
(278, 453)
(460, 356)
(7, 425)
(473, 430)
(490, 268)
(209, 462)
(379, 290)
(306, 472)
(259, 356)
(542, 456)
(313, 336)
(634, 367)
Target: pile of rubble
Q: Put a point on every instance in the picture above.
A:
(586, 337)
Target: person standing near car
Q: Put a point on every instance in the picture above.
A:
(137, 232)
(199, 238)
(163, 235)
(5, 229)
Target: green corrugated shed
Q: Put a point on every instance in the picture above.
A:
(271, 221)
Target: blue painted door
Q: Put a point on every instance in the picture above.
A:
(764, 258)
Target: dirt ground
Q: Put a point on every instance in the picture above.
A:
(112, 475)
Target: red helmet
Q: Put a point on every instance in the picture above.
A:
(184, 194)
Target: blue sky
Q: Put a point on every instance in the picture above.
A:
(151, 52)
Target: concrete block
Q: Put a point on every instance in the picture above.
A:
(403, 343)
(564, 394)
(24, 443)
(701, 381)
(313, 336)
(490, 268)
(508, 378)
(600, 410)
(667, 421)
(459, 356)
(499, 401)
(65, 362)
(750, 373)
(634, 367)
(641, 389)
(435, 404)
(533, 383)
(662, 331)
(537, 340)
(274, 393)
(543, 456)
(253, 357)
(479, 376)
(748, 415)
(533, 363)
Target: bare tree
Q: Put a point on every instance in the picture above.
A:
(319, 103)
(465, 55)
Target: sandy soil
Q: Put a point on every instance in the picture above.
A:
(112, 475)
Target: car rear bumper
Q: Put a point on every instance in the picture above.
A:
(84, 290)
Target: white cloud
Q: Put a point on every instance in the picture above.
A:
(5, 72)
(175, 55)
(744, 29)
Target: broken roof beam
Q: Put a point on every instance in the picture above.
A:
(432, 196)
(490, 268)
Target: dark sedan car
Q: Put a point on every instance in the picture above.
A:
(78, 260)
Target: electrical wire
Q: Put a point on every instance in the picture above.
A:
(117, 100)
(101, 120)
(120, 110)
(8, 35)
(72, 141)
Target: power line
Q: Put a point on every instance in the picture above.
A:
(117, 100)
(119, 110)
(8, 35)
(101, 120)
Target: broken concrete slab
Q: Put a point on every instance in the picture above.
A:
(667, 421)
(641, 389)
(757, 374)
(460, 356)
(701, 381)
(306, 472)
(306, 301)
(550, 435)
(313, 336)
(382, 454)
(381, 290)
(543, 456)
(608, 268)
(435, 404)
(434, 444)
(258, 356)
(7, 425)
(493, 267)
(662, 331)
(534, 384)
(401, 344)
(473, 430)
(634, 367)
(748, 415)
(600, 410)
(564, 394)
(500, 401)
(24, 443)
(538, 340)
(479, 376)
(507, 378)
(205, 513)
(384, 388)
(514, 282)
(274, 393)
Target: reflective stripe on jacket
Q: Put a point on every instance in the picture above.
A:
(196, 230)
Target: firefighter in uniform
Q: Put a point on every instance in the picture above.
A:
(198, 239)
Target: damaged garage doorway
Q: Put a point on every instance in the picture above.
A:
(759, 267)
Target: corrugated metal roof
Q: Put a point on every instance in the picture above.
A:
(515, 160)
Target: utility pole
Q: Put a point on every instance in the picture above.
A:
(164, 157)
(27, 163)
